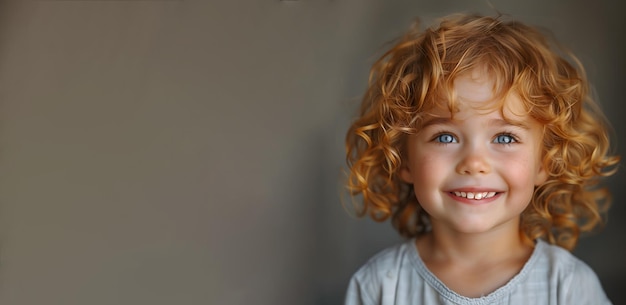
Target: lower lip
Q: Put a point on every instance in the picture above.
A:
(474, 201)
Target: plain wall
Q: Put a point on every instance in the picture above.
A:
(191, 152)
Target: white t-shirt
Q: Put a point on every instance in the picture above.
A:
(551, 276)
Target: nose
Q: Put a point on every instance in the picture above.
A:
(474, 161)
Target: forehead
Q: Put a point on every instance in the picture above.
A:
(478, 91)
(474, 86)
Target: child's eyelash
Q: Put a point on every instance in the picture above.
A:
(506, 138)
(445, 137)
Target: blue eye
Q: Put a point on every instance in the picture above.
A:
(445, 138)
(504, 139)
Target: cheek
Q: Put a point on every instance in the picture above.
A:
(521, 171)
(427, 169)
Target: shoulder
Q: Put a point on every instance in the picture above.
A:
(562, 263)
(379, 275)
(557, 257)
(377, 267)
(577, 282)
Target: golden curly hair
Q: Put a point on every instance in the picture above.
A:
(418, 72)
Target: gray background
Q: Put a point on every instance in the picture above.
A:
(183, 152)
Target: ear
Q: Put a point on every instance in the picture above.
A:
(405, 174)
(541, 177)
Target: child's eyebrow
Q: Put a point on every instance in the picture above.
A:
(505, 123)
(436, 121)
(492, 122)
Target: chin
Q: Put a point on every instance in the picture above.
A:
(475, 227)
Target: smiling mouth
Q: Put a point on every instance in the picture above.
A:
(475, 195)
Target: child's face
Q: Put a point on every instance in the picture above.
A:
(477, 172)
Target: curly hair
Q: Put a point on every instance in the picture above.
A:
(418, 72)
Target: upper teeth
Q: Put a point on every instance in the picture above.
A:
(476, 196)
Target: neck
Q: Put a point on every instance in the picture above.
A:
(474, 264)
(501, 244)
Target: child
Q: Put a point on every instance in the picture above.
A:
(482, 145)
